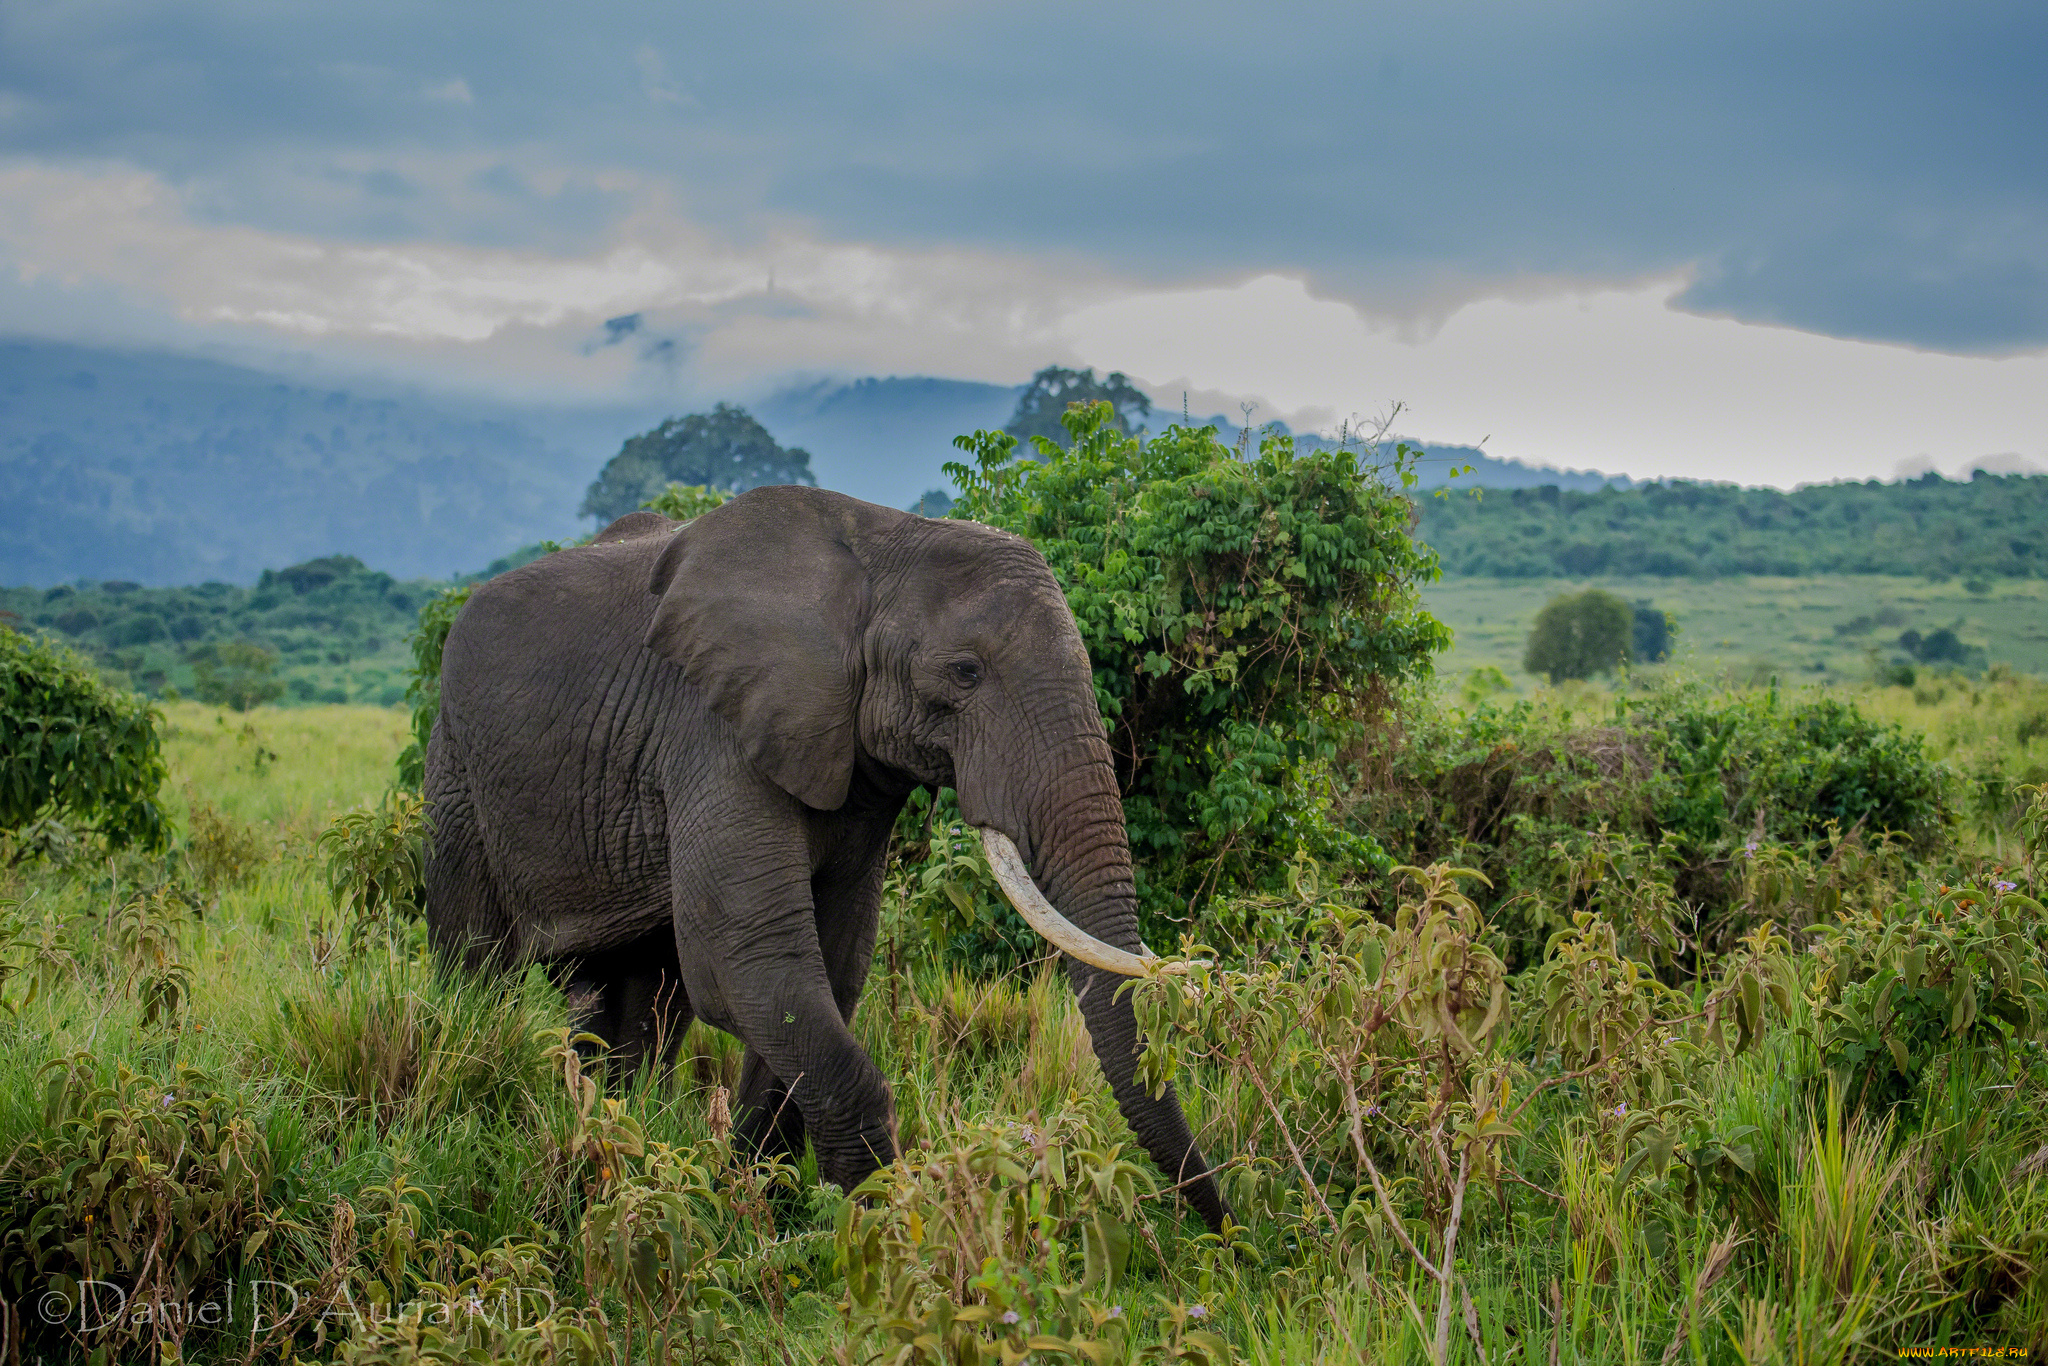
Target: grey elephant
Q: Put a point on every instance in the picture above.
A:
(667, 765)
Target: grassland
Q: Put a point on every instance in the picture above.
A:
(393, 1145)
(289, 770)
(1816, 630)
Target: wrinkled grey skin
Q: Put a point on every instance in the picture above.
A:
(667, 765)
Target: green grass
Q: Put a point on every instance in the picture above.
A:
(1751, 628)
(292, 768)
(408, 1121)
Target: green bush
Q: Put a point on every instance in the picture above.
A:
(74, 750)
(1942, 968)
(1757, 765)
(1577, 635)
(1247, 618)
(1650, 812)
(685, 502)
(376, 865)
(423, 685)
(149, 1189)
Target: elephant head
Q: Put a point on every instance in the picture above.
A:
(837, 637)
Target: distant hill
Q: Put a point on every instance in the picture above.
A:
(1990, 526)
(162, 469)
(1436, 463)
(159, 469)
(884, 439)
(1477, 469)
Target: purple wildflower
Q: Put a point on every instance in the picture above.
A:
(1009, 1316)
(1198, 1311)
(2004, 886)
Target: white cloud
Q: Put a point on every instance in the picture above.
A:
(1606, 378)
(833, 306)
(1566, 375)
(655, 82)
(454, 90)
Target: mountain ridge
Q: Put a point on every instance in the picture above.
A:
(161, 468)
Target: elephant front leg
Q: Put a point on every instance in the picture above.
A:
(847, 895)
(767, 1119)
(756, 944)
(834, 1093)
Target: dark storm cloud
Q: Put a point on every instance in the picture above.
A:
(1859, 169)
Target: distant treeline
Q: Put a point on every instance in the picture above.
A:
(320, 624)
(1991, 526)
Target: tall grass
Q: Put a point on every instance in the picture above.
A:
(413, 1137)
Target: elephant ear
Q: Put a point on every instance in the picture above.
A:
(763, 602)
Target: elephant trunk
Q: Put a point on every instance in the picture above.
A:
(1079, 858)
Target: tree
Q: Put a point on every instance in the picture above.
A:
(1650, 636)
(722, 449)
(1042, 409)
(1578, 635)
(1247, 619)
(235, 673)
(73, 749)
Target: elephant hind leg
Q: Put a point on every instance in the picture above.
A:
(653, 1015)
(633, 998)
(466, 918)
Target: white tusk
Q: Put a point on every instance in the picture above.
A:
(1011, 875)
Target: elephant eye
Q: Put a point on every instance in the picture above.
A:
(965, 672)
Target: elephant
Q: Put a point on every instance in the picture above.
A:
(667, 765)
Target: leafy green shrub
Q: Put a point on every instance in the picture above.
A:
(1947, 967)
(74, 750)
(1790, 770)
(685, 502)
(1246, 618)
(503, 1311)
(2032, 824)
(376, 864)
(1661, 804)
(156, 1190)
(1001, 1243)
(145, 934)
(423, 686)
(222, 851)
(1580, 634)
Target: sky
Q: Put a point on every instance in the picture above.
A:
(1760, 242)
